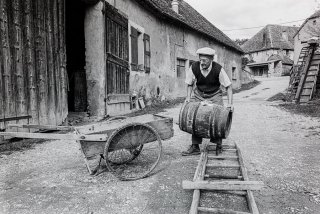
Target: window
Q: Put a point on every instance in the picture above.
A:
(181, 68)
(134, 48)
(147, 54)
(140, 50)
(234, 74)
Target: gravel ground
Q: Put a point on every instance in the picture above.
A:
(279, 148)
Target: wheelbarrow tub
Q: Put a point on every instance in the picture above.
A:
(163, 125)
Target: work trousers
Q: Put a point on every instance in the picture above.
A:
(216, 99)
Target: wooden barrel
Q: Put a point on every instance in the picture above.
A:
(207, 121)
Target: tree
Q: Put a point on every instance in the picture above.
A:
(240, 41)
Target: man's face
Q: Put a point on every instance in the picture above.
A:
(205, 61)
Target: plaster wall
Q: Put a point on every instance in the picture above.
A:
(310, 29)
(95, 59)
(169, 42)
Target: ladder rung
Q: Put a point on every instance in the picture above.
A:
(218, 210)
(224, 176)
(223, 166)
(222, 157)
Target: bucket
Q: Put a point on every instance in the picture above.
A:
(208, 121)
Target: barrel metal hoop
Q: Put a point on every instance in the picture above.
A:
(194, 118)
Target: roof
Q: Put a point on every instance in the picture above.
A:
(273, 58)
(273, 39)
(313, 16)
(190, 18)
(285, 59)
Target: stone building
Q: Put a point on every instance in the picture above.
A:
(162, 37)
(61, 56)
(270, 51)
(309, 29)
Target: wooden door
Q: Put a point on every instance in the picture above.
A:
(117, 65)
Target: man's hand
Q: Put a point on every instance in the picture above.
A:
(230, 106)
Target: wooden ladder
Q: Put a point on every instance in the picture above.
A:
(295, 73)
(308, 81)
(211, 176)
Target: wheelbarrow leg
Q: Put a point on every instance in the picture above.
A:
(97, 170)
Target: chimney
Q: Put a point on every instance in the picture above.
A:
(175, 6)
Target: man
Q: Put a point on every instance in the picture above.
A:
(207, 75)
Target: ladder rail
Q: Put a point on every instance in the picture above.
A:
(304, 74)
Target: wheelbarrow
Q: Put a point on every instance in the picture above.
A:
(130, 146)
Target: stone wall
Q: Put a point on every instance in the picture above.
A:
(169, 42)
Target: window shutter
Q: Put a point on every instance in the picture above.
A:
(134, 48)
(147, 53)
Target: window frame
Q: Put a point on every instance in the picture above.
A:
(178, 68)
(147, 54)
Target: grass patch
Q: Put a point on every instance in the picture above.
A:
(18, 144)
(247, 86)
(311, 110)
(280, 96)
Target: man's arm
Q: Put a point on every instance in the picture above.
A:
(230, 97)
(189, 91)
(225, 81)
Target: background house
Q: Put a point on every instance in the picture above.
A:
(310, 28)
(270, 51)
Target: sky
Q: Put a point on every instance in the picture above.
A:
(237, 14)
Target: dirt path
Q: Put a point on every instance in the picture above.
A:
(279, 148)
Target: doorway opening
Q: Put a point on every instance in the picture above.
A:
(75, 48)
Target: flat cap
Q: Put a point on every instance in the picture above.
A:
(206, 51)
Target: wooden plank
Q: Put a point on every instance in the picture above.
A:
(50, 64)
(199, 175)
(118, 98)
(313, 72)
(8, 77)
(50, 136)
(250, 199)
(14, 119)
(309, 84)
(224, 176)
(223, 185)
(2, 89)
(43, 127)
(306, 91)
(219, 211)
(304, 74)
(222, 157)
(223, 166)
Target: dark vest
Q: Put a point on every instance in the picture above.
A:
(209, 84)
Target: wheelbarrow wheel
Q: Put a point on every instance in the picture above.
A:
(133, 151)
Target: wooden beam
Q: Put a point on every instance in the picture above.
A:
(219, 211)
(250, 199)
(223, 166)
(55, 136)
(222, 157)
(199, 175)
(224, 176)
(14, 118)
(223, 185)
(46, 127)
